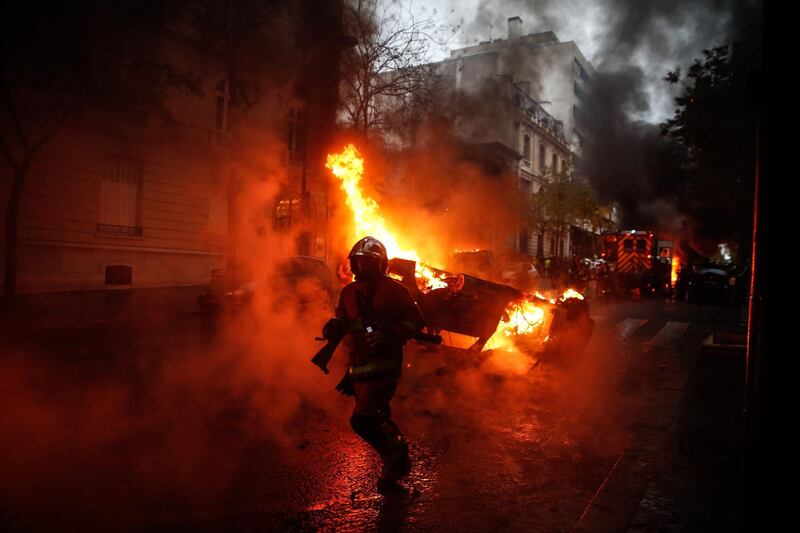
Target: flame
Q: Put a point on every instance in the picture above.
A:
(348, 167)
(571, 293)
(521, 318)
(523, 321)
(676, 264)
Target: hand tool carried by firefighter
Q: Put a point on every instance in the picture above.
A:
(335, 330)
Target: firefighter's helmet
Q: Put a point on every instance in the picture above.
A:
(369, 247)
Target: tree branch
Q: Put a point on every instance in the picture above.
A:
(12, 112)
(55, 129)
(4, 149)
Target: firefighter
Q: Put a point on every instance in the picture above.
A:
(380, 316)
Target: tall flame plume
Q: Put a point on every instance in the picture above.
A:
(348, 167)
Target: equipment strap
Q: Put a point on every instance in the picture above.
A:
(375, 366)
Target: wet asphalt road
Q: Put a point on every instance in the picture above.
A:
(496, 446)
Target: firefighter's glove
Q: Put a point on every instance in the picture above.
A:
(334, 328)
(346, 386)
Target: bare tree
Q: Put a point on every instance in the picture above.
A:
(385, 72)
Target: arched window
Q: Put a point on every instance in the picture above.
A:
(223, 100)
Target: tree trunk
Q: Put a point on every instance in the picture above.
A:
(12, 212)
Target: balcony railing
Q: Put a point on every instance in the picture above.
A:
(119, 231)
(536, 113)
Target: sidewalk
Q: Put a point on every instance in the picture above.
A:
(72, 312)
(681, 469)
(698, 487)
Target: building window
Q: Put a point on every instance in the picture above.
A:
(541, 158)
(223, 101)
(524, 239)
(287, 210)
(120, 196)
(526, 148)
(581, 72)
(577, 90)
(555, 163)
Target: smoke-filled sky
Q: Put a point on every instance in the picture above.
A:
(632, 44)
(656, 36)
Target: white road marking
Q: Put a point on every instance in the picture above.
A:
(670, 334)
(628, 327)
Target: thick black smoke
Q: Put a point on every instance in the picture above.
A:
(633, 45)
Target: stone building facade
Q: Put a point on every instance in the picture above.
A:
(122, 201)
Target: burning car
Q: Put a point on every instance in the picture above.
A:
(483, 315)
(469, 312)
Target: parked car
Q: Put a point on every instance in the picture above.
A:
(296, 280)
(707, 282)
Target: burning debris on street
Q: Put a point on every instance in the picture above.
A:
(496, 316)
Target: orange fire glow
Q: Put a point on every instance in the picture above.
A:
(348, 167)
(571, 293)
(676, 264)
(523, 320)
(520, 318)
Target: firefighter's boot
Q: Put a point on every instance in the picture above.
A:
(380, 432)
(396, 461)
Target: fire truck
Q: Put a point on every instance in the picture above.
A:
(639, 261)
